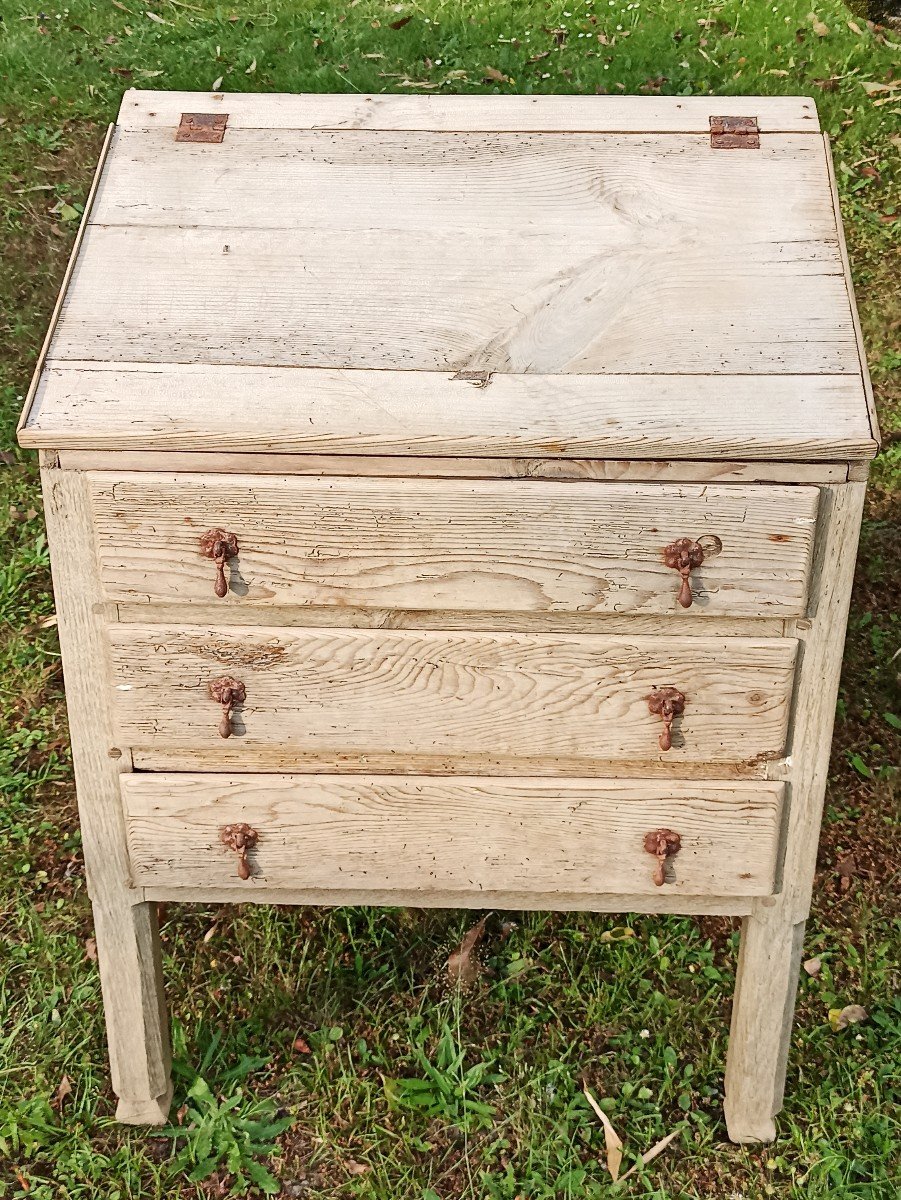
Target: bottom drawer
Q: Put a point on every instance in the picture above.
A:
(417, 834)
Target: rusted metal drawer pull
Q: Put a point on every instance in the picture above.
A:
(685, 555)
(240, 838)
(663, 844)
(220, 546)
(228, 692)
(666, 703)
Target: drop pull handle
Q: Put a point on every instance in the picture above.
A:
(685, 555)
(240, 838)
(228, 692)
(666, 703)
(220, 546)
(663, 844)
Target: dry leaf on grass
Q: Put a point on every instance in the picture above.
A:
(64, 1090)
(462, 966)
(650, 1155)
(841, 1018)
(611, 1137)
(90, 949)
(495, 75)
(873, 89)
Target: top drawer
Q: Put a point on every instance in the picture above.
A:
(494, 546)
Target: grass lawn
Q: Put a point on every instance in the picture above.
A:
(300, 1035)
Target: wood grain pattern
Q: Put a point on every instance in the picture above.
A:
(675, 624)
(772, 936)
(430, 467)
(511, 900)
(526, 301)
(605, 186)
(448, 544)
(467, 835)
(852, 301)
(246, 110)
(126, 931)
(38, 373)
(316, 411)
(405, 693)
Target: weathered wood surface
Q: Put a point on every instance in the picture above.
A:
(430, 467)
(603, 187)
(852, 300)
(675, 624)
(465, 835)
(529, 300)
(317, 412)
(515, 900)
(38, 373)
(772, 935)
(128, 948)
(638, 114)
(408, 692)
(448, 544)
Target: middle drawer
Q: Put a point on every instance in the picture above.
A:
(414, 700)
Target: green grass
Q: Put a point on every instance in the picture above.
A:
(326, 1048)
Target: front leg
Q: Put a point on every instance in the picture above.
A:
(128, 954)
(762, 1012)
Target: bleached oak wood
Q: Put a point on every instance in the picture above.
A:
(525, 301)
(450, 695)
(852, 300)
(125, 926)
(272, 760)
(324, 412)
(416, 833)
(519, 545)
(70, 267)
(345, 617)
(772, 935)
(517, 901)
(457, 468)
(246, 110)
(436, 578)
(602, 185)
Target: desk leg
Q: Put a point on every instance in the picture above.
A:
(762, 1012)
(128, 951)
(128, 954)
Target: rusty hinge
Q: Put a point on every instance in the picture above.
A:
(734, 133)
(201, 127)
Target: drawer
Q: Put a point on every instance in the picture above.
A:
(492, 545)
(468, 834)
(386, 700)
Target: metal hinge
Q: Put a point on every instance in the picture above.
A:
(201, 127)
(734, 133)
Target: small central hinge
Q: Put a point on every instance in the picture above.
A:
(201, 127)
(734, 133)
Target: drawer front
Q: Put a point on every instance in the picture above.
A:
(467, 834)
(412, 700)
(493, 545)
